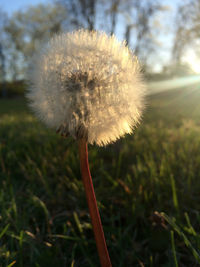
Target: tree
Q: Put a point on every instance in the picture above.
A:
(82, 13)
(187, 31)
(140, 31)
(138, 17)
(28, 29)
(3, 19)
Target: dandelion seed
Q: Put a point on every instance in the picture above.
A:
(88, 85)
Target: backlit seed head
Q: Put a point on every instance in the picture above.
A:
(88, 85)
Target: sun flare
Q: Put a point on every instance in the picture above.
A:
(193, 60)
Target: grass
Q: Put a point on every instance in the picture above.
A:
(147, 186)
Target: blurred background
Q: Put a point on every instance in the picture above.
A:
(147, 184)
(163, 34)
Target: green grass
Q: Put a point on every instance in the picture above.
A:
(44, 217)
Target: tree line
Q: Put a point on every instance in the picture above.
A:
(138, 22)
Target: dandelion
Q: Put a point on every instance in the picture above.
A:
(88, 85)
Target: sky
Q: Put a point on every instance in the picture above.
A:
(11, 6)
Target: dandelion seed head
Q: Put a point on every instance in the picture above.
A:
(88, 85)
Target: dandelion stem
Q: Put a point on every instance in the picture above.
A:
(92, 204)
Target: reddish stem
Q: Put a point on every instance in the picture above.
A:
(92, 204)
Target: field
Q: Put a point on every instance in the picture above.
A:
(147, 186)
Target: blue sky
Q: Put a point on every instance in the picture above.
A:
(13, 5)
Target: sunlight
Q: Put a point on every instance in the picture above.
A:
(192, 59)
(175, 83)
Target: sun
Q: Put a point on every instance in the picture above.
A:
(193, 61)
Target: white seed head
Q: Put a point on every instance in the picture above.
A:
(88, 85)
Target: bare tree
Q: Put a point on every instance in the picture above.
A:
(27, 29)
(139, 25)
(187, 30)
(3, 19)
(81, 13)
(113, 11)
